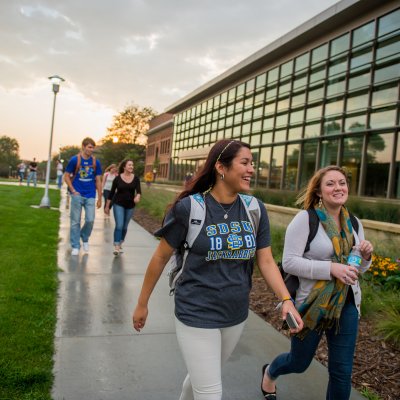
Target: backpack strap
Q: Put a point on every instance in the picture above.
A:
(195, 224)
(196, 218)
(313, 222)
(77, 166)
(354, 222)
(252, 209)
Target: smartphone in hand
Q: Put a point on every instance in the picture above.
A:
(291, 322)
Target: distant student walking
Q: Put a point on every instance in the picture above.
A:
(83, 177)
(32, 173)
(21, 172)
(125, 194)
(60, 173)
(109, 175)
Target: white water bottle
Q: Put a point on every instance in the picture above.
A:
(355, 257)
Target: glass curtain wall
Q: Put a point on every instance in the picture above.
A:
(333, 104)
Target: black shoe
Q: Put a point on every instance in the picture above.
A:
(267, 395)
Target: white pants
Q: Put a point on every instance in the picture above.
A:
(204, 352)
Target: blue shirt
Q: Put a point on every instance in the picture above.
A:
(85, 180)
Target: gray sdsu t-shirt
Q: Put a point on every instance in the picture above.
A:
(213, 290)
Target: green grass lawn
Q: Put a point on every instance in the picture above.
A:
(28, 290)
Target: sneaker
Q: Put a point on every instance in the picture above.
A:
(116, 252)
(86, 247)
(75, 252)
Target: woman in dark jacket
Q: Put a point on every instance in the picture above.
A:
(125, 194)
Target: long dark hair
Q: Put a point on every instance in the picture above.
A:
(122, 165)
(223, 151)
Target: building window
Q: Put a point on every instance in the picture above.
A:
(359, 102)
(396, 190)
(150, 150)
(312, 130)
(389, 23)
(355, 123)
(261, 80)
(359, 81)
(387, 73)
(340, 44)
(308, 161)
(292, 158)
(333, 126)
(264, 166)
(363, 34)
(383, 118)
(352, 160)
(319, 54)
(379, 154)
(334, 107)
(295, 133)
(385, 95)
(302, 62)
(329, 152)
(278, 153)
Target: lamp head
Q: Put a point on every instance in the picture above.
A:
(56, 81)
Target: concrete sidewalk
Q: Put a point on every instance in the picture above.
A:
(100, 357)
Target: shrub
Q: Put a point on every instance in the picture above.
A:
(384, 271)
(389, 326)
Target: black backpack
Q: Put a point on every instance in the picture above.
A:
(292, 281)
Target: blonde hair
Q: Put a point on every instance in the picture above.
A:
(309, 196)
(110, 167)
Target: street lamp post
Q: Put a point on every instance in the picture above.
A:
(56, 80)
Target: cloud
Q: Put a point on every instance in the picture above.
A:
(151, 52)
(139, 44)
(41, 11)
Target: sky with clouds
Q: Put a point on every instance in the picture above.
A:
(114, 53)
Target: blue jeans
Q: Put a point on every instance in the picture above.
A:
(32, 176)
(76, 233)
(59, 181)
(122, 218)
(341, 348)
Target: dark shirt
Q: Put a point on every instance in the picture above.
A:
(123, 193)
(32, 166)
(213, 291)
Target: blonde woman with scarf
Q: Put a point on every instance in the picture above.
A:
(329, 295)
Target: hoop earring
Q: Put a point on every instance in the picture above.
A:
(320, 204)
(222, 176)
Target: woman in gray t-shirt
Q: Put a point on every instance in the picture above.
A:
(212, 294)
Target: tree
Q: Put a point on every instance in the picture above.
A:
(130, 125)
(66, 153)
(9, 154)
(113, 153)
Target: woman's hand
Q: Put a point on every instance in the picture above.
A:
(289, 306)
(139, 317)
(366, 249)
(107, 209)
(345, 273)
(136, 199)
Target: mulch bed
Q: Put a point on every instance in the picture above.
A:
(376, 364)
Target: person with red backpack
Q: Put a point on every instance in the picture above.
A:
(83, 177)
